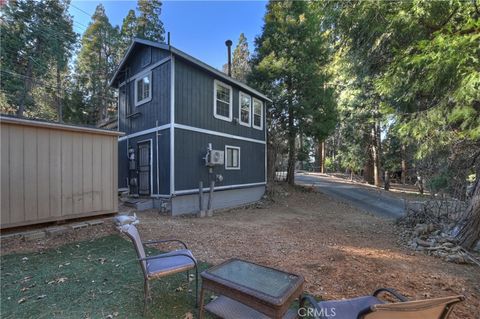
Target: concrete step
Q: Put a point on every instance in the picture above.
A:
(139, 203)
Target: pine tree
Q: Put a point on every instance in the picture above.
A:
(96, 63)
(418, 68)
(287, 66)
(128, 31)
(241, 60)
(149, 25)
(36, 37)
(61, 50)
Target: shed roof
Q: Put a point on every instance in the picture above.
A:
(4, 118)
(177, 52)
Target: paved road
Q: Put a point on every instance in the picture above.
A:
(357, 195)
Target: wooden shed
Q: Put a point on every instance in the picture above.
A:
(52, 171)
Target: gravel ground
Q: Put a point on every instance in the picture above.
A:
(341, 252)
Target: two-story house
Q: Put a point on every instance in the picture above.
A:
(173, 108)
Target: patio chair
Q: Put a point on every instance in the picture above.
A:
(370, 307)
(162, 265)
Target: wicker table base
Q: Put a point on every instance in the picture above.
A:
(227, 308)
(250, 291)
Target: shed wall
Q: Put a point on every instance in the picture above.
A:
(50, 174)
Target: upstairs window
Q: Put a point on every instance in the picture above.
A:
(232, 157)
(143, 89)
(257, 114)
(245, 109)
(222, 94)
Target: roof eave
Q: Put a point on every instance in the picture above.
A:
(127, 54)
(186, 57)
(217, 72)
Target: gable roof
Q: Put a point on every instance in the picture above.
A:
(177, 52)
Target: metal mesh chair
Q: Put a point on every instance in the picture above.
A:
(370, 307)
(154, 267)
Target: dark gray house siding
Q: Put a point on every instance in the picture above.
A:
(138, 118)
(194, 126)
(145, 56)
(163, 160)
(122, 164)
(194, 102)
(190, 169)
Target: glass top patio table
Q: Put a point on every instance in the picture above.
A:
(257, 278)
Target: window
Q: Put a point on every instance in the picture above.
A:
(245, 109)
(222, 94)
(143, 89)
(257, 114)
(232, 157)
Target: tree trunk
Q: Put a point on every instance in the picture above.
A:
(419, 184)
(469, 233)
(377, 177)
(58, 96)
(368, 168)
(404, 164)
(291, 148)
(291, 136)
(302, 167)
(321, 156)
(100, 98)
(26, 89)
(271, 159)
(387, 181)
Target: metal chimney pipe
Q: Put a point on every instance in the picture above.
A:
(228, 43)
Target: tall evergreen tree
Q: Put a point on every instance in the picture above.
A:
(241, 60)
(149, 25)
(128, 31)
(96, 63)
(61, 49)
(36, 37)
(287, 66)
(419, 66)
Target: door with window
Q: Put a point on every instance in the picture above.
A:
(144, 164)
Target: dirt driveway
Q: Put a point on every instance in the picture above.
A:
(341, 252)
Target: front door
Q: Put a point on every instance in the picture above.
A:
(144, 168)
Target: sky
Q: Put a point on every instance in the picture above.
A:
(198, 28)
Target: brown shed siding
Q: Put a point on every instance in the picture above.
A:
(54, 172)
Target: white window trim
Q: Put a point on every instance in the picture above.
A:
(138, 78)
(240, 109)
(253, 115)
(221, 117)
(226, 158)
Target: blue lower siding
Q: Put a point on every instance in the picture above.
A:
(190, 169)
(188, 204)
(122, 164)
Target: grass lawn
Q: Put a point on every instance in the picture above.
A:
(90, 279)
